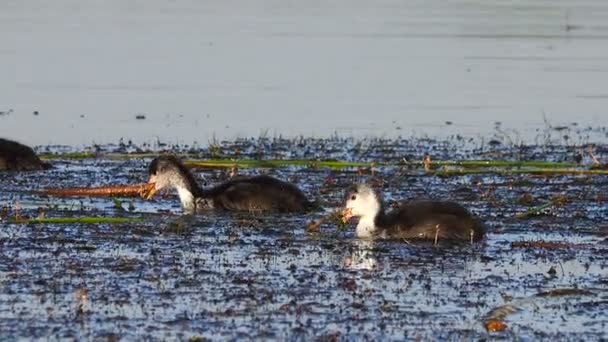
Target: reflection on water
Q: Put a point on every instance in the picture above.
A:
(81, 74)
(362, 257)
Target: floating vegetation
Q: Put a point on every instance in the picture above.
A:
(444, 168)
(79, 220)
(252, 163)
(440, 167)
(494, 321)
(540, 244)
(535, 211)
(68, 156)
(564, 292)
(335, 217)
(139, 190)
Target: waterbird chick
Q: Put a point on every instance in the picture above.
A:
(18, 157)
(259, 193)
(417, 220)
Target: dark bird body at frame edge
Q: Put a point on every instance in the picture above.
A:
(15, 156)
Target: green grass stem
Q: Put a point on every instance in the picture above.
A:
(442, 167)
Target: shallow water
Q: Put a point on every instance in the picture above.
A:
(226, 275)
(196, 69)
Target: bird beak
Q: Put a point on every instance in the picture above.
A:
(149, 194)
(347, 213)
(149, 191)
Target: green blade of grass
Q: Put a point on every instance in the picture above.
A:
(534, 171)
(273, 163)
(463, 166)
(69, 155)
(534, 211)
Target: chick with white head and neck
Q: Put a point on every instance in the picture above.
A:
(258, 193)
(417, 220)
(169, 172)
(362, 202)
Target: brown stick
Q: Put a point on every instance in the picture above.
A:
(104, 191)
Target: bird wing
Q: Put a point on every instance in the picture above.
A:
(430, 220)
(244, 196)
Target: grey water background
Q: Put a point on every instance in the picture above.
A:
(199, 69)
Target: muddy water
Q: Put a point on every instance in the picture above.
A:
(261, 276)
(80, 74)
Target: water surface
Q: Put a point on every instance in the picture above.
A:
(235, 69)
(241, 275)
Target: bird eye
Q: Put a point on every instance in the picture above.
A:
(353, 197)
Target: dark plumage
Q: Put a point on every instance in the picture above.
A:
(18, 157)
(260, 193)
(427, 220)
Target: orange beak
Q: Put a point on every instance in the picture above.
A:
(347, 213)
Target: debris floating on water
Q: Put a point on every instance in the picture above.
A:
(540, 244)
(136, 190)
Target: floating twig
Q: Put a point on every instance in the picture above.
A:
(564, 292)
(80, 220)
(335, 216)
(141, 190)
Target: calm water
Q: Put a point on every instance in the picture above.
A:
(233, 68)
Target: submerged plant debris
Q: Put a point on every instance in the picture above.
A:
(154, 273)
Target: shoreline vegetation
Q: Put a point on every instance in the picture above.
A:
(438, 167)
(556, 150)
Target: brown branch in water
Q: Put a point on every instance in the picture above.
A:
(103, 191)
(335, 216)
(313, 226)
(564, 292)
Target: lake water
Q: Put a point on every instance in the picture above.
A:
(247, 276)
(196, 69)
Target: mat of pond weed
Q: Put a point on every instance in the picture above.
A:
(164, 275)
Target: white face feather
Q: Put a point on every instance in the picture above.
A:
(366, 205)
(172, 179)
